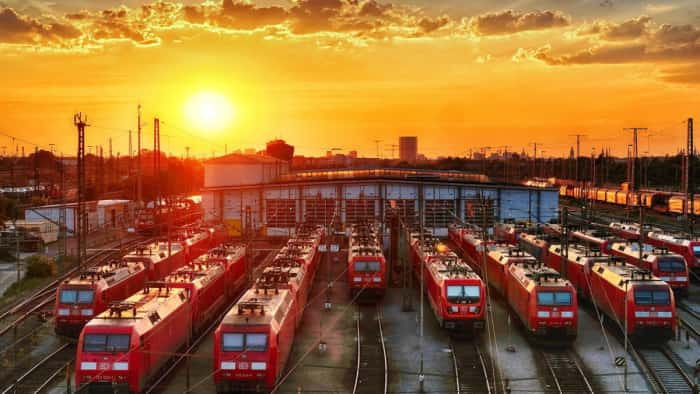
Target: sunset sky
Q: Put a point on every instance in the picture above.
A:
(459, 74)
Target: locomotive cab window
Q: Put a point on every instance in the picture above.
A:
(652, 297)
(553, 298)
(367, 266)
(238, 342)
(76, 296)
(696, 251)
(458, 293)
(671, 264)
(106, 343)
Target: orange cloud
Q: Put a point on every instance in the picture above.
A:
(17, 29)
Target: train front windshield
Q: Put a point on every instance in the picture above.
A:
(96, 343)
(554, 298)
(652, 296)
(238, 342)
(671, 264)
(460, 293)
(696, 251)
(367, 266)
(75, 296)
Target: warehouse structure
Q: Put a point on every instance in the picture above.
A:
(252, 194)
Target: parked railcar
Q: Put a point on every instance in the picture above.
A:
(151, 325)
(367, 268)
(629, 231)
(545, 303)
(618, 287)
(159, 258)
(498, 258)
(254, 340)
(576, 264)
(158, 217)
(457, 295)
(125, 347)
(88, 294)
(669, 267)
(535, 245)
(686, 247)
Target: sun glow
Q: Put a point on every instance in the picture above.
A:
(208, 111)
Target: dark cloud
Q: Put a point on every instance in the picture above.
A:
(429, 25)
(373, 8)
(18, 29)
(631, 29)
(240, 15)
(683, 34)
(509, 22)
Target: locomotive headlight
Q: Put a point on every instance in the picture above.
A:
(228, 365)
(568, 314)
(63, 312)
(666, 314)
(474, 309)
(86, 312)
(357, 279)
(682, 278)
(665, 278)
(121, 366)
(376, 279)
(257, 366)
(641, 314)
(88, 366)
(454, 309)
(542, 313)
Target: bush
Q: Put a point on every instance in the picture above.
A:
(40, 266)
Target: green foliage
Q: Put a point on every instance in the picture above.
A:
(18, 288)
(39, 266)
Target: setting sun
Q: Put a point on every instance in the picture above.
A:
(209, 111)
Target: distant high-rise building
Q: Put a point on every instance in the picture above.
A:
(352, 154)
(408, 148)
(280, 150)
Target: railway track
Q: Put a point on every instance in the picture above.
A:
(690, 319)
(46, 295)
(40, 376)
(565, 372)
(471, 369)
(664, 371)
(372, 371)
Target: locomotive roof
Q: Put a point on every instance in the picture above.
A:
(224, 251)
(534, 238)
(450, 267)
(155, 251)
(619, 272)
(672, 238)
(258, 307)
(580, 253)
(106, 275)
(142, 310)
(648, 251)
(539, 273)
(500, 252)
(196, 272)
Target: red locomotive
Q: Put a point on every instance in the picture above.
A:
(535, 245)
(628, 231)
(576, 265)
(617, 287)
(124, 347)
(669, 267)
(594, 240)
(157, 217)
(254, 340)
(545, 303)
(367, 268)
(688, 248)
(509, 232)
(456, 293)
(159, 258)
(80, 298)
(498, 258)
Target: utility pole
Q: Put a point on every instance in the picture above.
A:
(62, 241)
(187, 153)
(635, 155)
(101, 166)
(81, 222)
(691, 174)
(139, 183)
(392, 148)
(156, 158)
(534, 161)
(578, 152)
(688, 186)
(377, 144)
